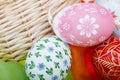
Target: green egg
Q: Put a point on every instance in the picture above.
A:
(12, 71)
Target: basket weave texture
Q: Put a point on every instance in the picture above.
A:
(22, 22)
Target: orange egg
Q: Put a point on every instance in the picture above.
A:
(79, 69)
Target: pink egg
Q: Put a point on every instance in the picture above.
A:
(106, 59)
(85, 24)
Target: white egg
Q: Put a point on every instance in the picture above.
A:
(48, 59)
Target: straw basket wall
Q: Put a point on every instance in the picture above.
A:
(22, 22)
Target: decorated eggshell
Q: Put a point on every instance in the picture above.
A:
(48, 59)
(112, 5)
(117, 31)
(84, 24)
(79, 68)
(117, 28)
(82, 68)
(106, 59)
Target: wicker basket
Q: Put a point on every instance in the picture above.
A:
(22, 22)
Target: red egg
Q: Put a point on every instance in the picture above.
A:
(106, 59)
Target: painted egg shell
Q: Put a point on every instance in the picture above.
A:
(117, 28)
(83, 24)
(48, 59)
(106, 59)
(116, 31)
(112, 5)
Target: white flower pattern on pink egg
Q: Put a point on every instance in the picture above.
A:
(72, 13)
(103, 11)
(91, 42)
(102, 38)
(79, 42)
(91, 10)
(66, 26)
(72, 37)
(84, 25)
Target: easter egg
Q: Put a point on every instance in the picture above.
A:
(82, 68)
(22, 62)
(106, 59)
(117, 28)
(12, 71)
(69, 76)
(117, 32)
(78, 68)
(48, 59)
(112, 5)
(85, 24)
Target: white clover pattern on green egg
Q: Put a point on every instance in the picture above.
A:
(48, 59)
